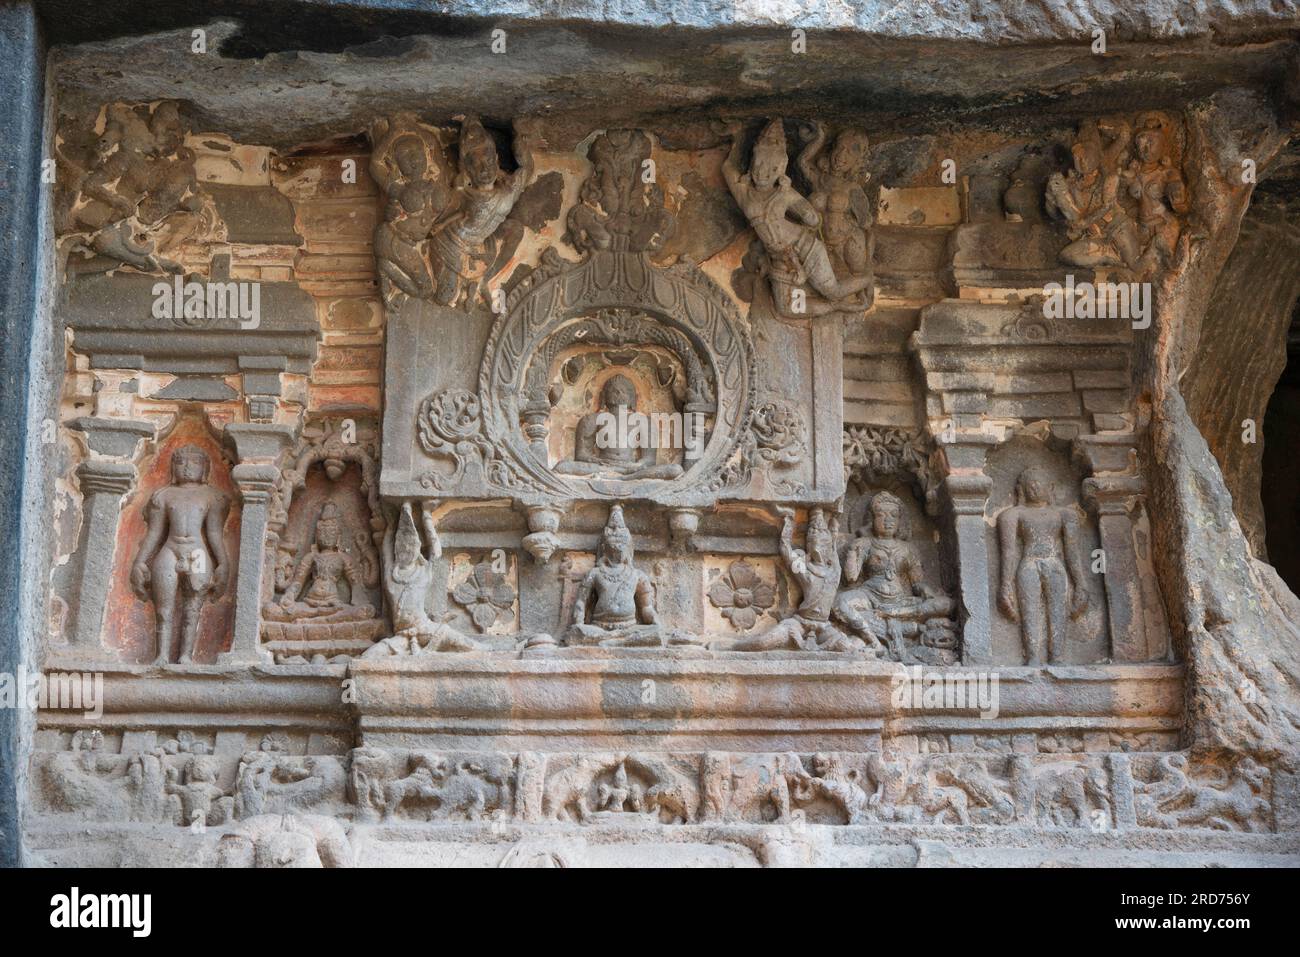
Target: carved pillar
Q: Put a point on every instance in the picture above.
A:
(535, 426)
(965, 494)
(104, 478)
(1113, 493)
(256, 446)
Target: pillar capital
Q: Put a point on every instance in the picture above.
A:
(115, 438)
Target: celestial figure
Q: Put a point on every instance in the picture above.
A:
(1042, 575)
(417, 196)
(1102, 234)
(797, 256)
(817, 570)
(1161, 193)
(183, 562)
(602, 444)
(465, 251)
(840, 198)
(409, 575)
(892, 602)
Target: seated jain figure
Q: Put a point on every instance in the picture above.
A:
(1042, 575)
(892, 602)
(615, 440)
(817, 570)
(408, 576)
(615, 604)
(325, 565)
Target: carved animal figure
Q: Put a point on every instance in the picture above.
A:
(1056, 795)
(675, 798)
(565, 796)
(368, 773)
(984, 790)
(937, 800)
(1231, 802)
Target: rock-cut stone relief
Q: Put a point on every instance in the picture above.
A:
(597, 534)
(1041, 567)
(446, 230)
(130, 197)
(1123, 210)
(798, 261)
(182, 562)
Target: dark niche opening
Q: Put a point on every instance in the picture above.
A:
(1280, 472)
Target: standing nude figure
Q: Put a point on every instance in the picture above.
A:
(1042, 575)
(183, 560)
(797, 255)
(408, 577)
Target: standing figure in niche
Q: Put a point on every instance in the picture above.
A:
(416, 197)
(594, 454)
(797, 256)
(840, 198)
(817, 570)
(1042, 575)
(408, 578)
(464, 252)
(892, 602)
(183, 560)
(1102, 233)
(325, 565)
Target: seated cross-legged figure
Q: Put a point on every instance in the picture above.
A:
(597, 450)
(615, 603)
(326, 566)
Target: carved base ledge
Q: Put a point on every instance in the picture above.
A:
(578, 699)
(61, 843)
(734, 702)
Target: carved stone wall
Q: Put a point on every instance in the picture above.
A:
(791, 482)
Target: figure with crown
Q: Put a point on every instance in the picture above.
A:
(816, 568)
(788, 225)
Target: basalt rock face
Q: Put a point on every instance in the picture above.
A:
(681, 436)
